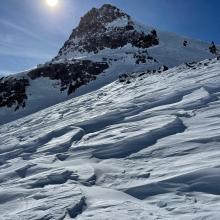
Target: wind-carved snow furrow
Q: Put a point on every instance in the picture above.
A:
(56, 202)
(78, 208)
(197, 99)
(134, 143)
(187, 102)
(187, 99)
(207, 140)
(54, 179)
(90, 181)
(63, 143)
(54, 141)
(198, 181)
(168, 99)
(100, 122)
(62, 157)
(32, 144)
(103, 121)
(23, 171)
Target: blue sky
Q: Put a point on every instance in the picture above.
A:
(32, 33)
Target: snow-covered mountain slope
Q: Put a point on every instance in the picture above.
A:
(145, 149)
(106, 44)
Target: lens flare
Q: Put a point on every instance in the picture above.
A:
(52, 3)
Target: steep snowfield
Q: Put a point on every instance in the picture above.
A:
(144, 150)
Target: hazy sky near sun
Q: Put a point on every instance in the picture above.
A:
(32, 33)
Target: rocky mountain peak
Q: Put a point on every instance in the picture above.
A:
(96, 19)
(106, 27)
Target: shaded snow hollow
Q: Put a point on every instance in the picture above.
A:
(144, 150)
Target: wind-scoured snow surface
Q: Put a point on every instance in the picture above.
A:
(144, 150)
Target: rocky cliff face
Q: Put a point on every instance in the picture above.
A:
(71, 76)
(13, 92)
(107, 27)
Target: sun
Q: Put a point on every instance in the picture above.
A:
(52, 3)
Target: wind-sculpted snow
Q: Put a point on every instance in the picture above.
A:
(132, 136)
(144, 150)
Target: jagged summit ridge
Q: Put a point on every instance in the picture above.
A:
(106, 27)
(96, 19)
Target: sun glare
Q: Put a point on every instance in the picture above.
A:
(52, 3)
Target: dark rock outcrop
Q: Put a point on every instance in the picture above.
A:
(127, 78)
(213, 49)
(72, 74)
(13, 92)
(143, 57)
(96, 19)
(163, 68)
(185, 43)
(93, 33)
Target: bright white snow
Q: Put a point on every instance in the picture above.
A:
(145, 150)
